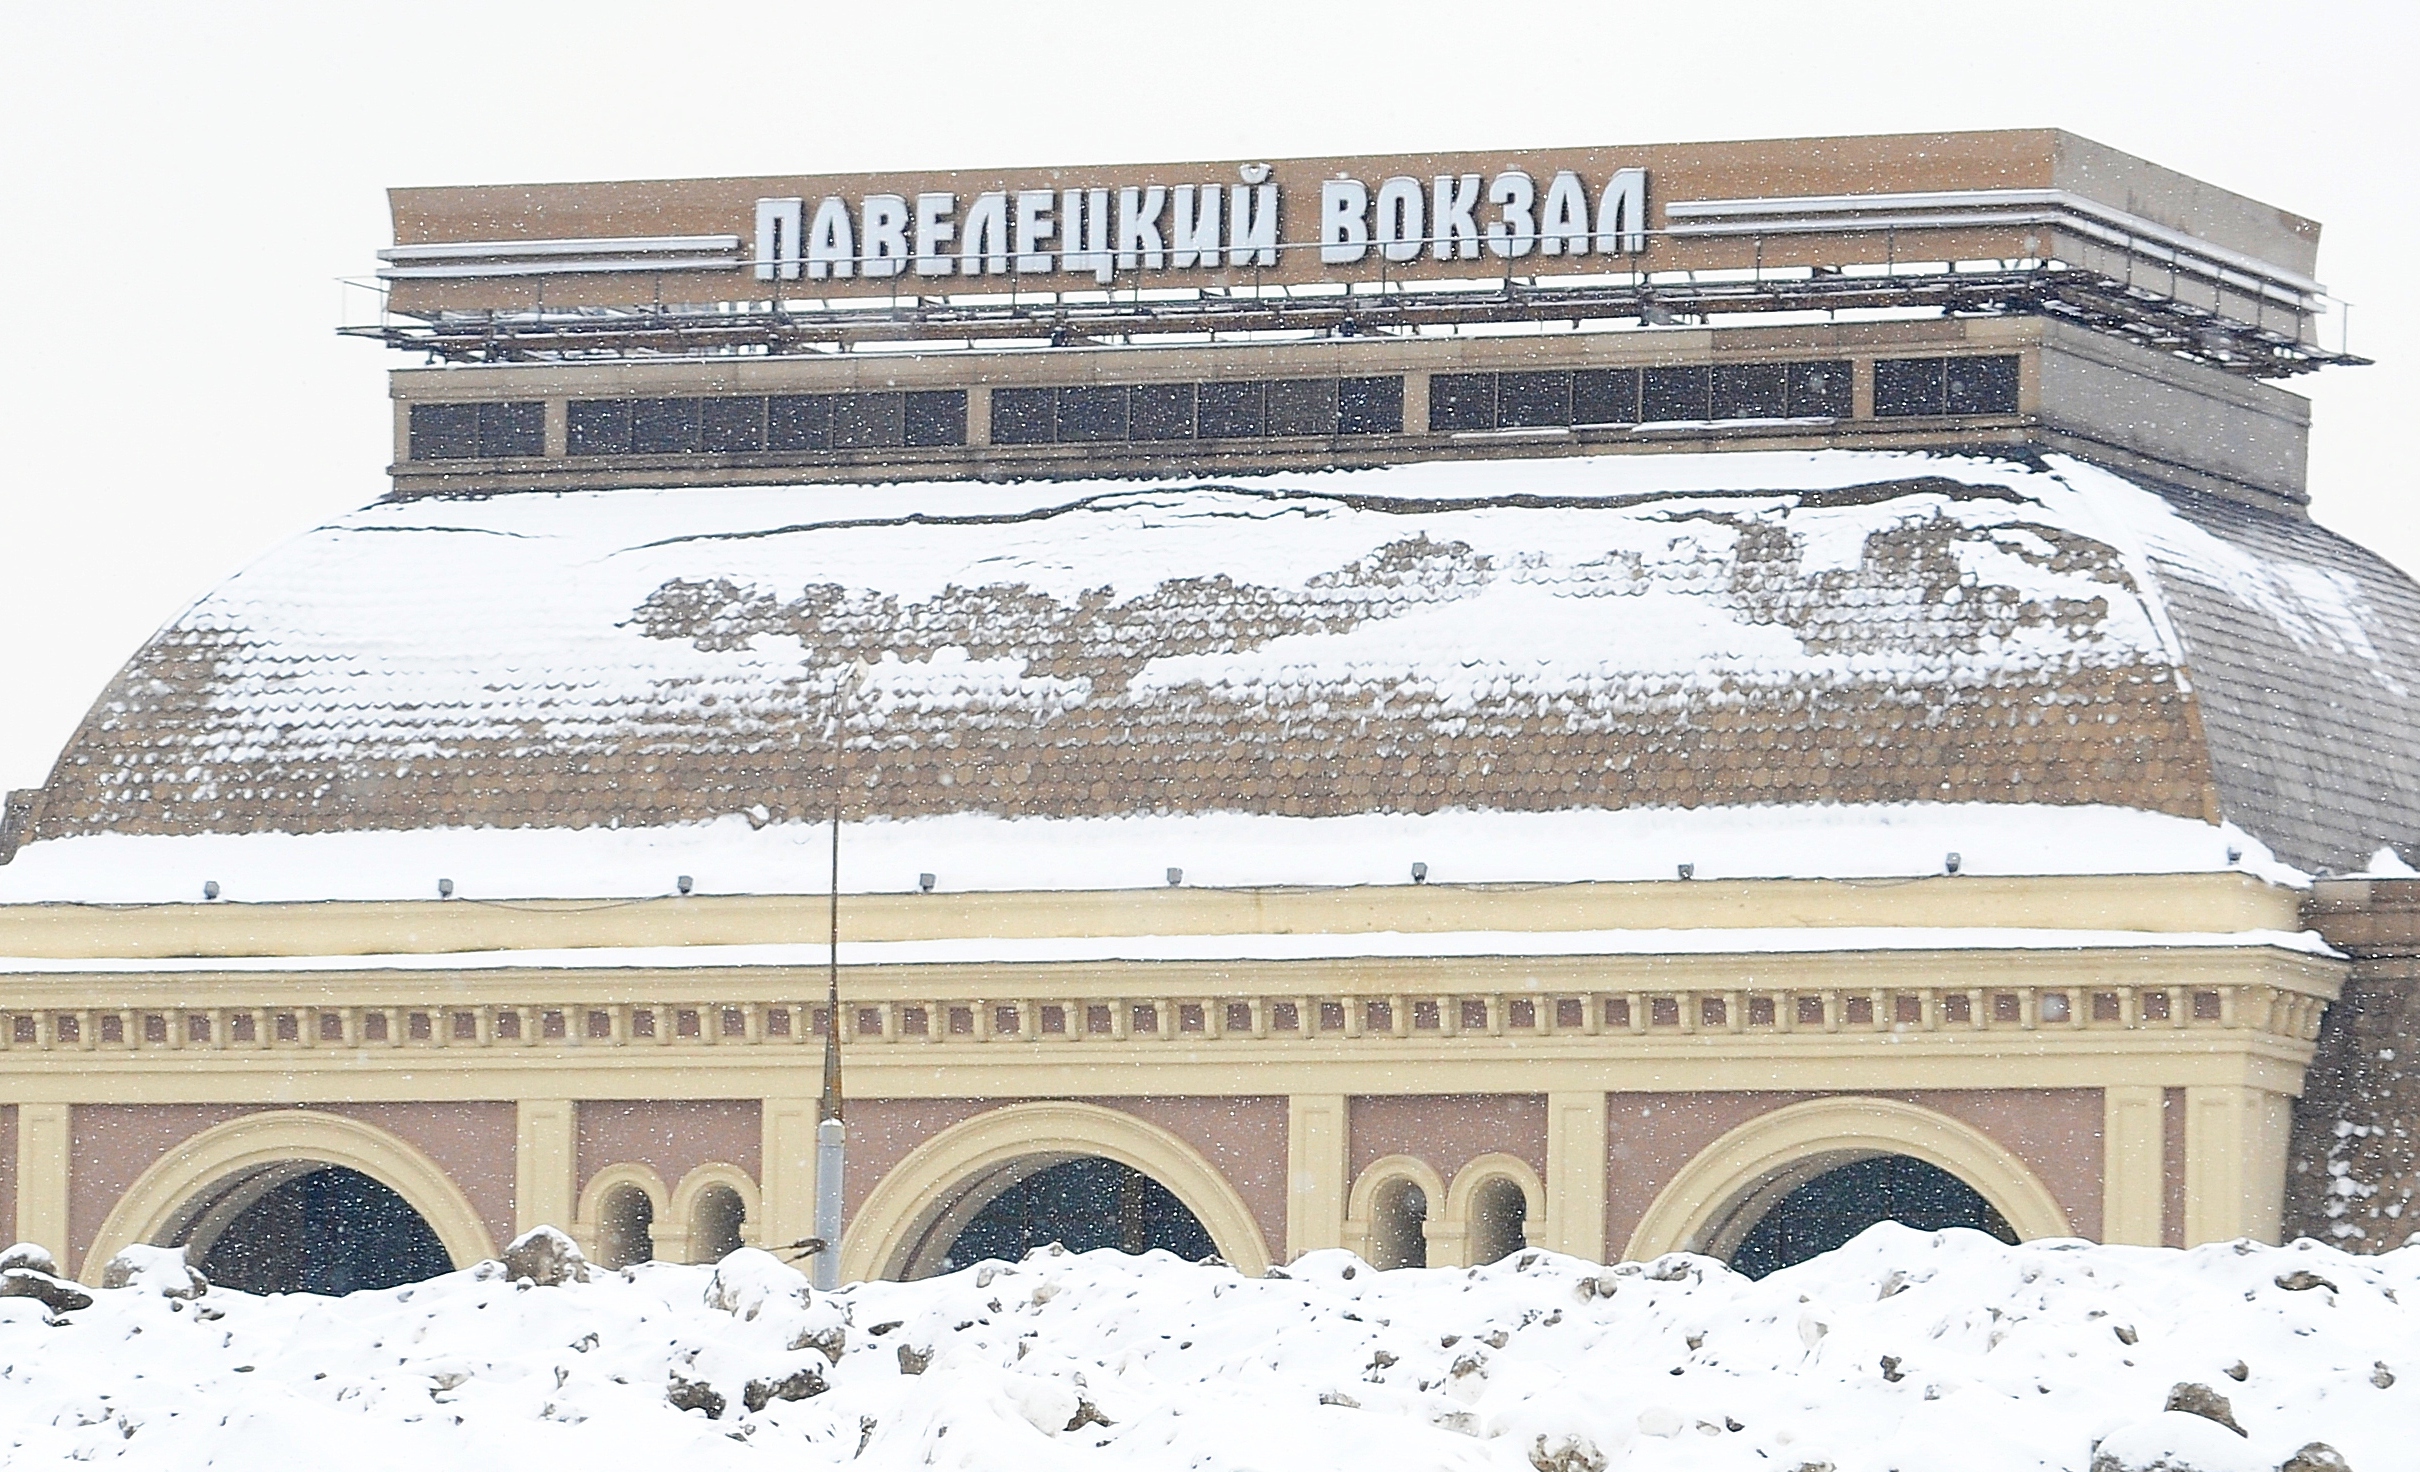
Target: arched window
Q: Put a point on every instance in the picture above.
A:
(1398, 1225)
(624, 1220)
(714, 1227)
(1499, 1217)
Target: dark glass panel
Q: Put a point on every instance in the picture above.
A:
(935, 417)
(1461, 402)
(1605, 396)
(1302, 406)
(1369, 406)
(1821, 390)
(1532, 400)
(868, 421)
(1230, 411)
(1162, 411)
(508, 430)
(445, 431)
(1668, 394)
(798, 422)
(1750, 391)
(600, 427)
(1022, 416)
(1091, 415)
(1982, 386)
(1908, 386)
(733, 426)
(663, 426)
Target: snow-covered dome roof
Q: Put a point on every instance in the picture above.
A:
(1684, 631)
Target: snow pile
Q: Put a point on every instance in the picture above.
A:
(1902, 1350)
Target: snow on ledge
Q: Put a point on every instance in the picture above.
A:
(1384, 944)
(977, 852)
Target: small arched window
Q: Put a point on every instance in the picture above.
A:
(714, 1229)
(1398, 1222)
(625, 1224)
(1499, 1218)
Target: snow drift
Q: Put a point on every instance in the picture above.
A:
(1902, 1350)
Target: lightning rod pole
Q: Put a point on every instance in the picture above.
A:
(831, 1135)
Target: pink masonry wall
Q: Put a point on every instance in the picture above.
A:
(672, 1137)
(113, 1144)
(1650, 1137)
(1447, 1131)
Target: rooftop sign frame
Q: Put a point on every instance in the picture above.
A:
(2022, 221)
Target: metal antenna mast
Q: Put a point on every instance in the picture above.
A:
(831, 1134)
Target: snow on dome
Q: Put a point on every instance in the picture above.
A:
(1584, 635)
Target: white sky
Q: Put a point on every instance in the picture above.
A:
(184, 184)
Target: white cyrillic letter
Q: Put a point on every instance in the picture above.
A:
(1195, 239)
(1622, 214)
(1252, 225)
(985, 243)
(933, 232)
(1084, 226)
(1516, 232)
(1564, 231)
(831, 244)
(778, 222)
(1034, 228)
(882, 225)
(1344, 231)
(1401, 223)
(1456, 233)
(1139, 243)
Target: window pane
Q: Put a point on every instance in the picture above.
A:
(868, 421)
(445, 431)
(1820, 390)
(1091, 415)
(663, 426)
(1605, 396)
(1529, 400)
(1676, 393)
(1905, 386)
(1162, 411)
(1461, 401)
(1230, 411)
(1749, 391)
(799, 422)
(936, 418)
(1982, 386)
(1302, 406)
(1369, 406)
(511, 429)
(1021, 416)
(733, 426)
(600, 427)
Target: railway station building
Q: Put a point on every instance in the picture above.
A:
(1617, 699)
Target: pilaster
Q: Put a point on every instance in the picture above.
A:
(42, 1158)
(2235, 1157)
(1316, 1187)
(546, 1165)
(786, 1183)
(1575, 1177)
(2132, 1183)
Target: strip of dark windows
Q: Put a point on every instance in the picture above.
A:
(1220, 410)
(1907, 388)
(489, 431)
(1468, 402)
(747, 424)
